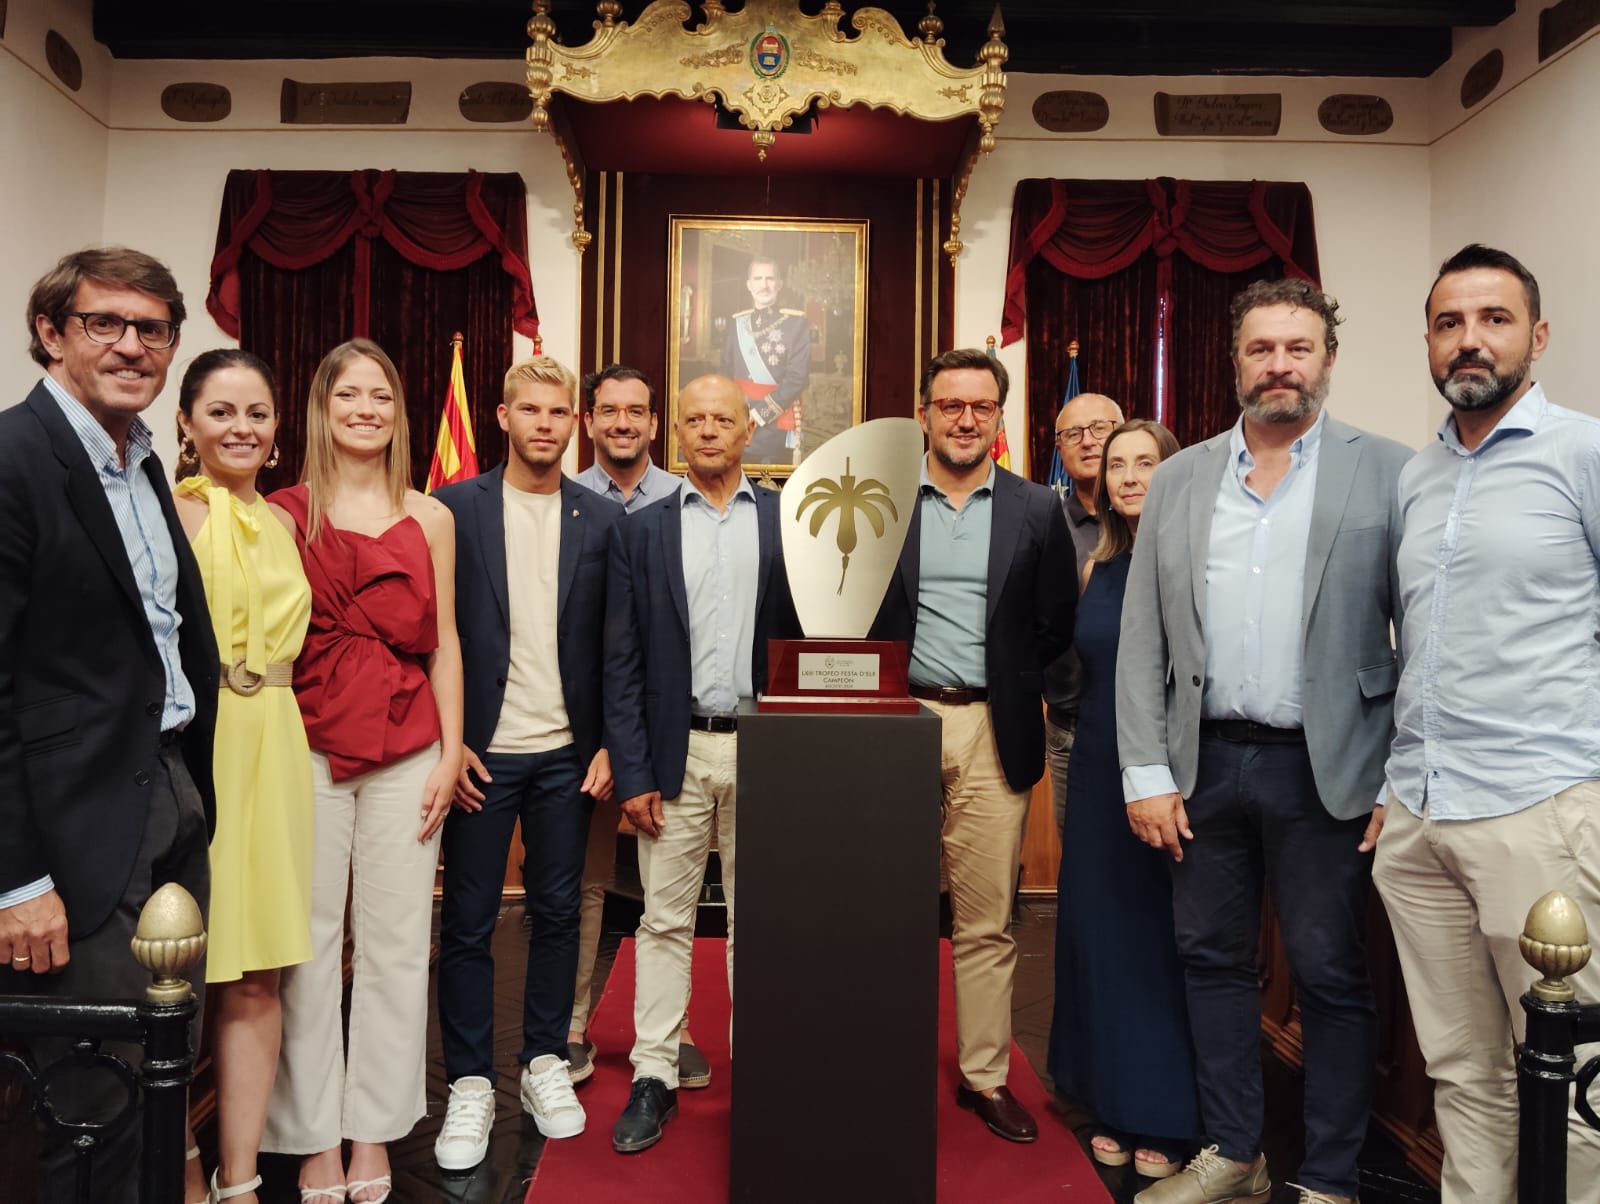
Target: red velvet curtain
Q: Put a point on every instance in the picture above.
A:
(1191, 243)
(306, 260)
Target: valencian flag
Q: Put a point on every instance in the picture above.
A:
(1000, 450)
(455, 454)
(1058, 473)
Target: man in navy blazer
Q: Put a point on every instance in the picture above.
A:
(695, 589)
(531, 554)
(985, 596)
(108, 667)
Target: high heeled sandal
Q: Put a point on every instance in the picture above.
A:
(356, 1185)
(219, 1193)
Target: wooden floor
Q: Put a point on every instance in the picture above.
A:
(516, 1145)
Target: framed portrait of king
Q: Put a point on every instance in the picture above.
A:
(779, 305)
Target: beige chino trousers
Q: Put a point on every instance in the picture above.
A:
(1458, 894)
(672, 867)
(981, 841)
(366, 851)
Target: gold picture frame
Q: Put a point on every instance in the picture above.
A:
(780, 305)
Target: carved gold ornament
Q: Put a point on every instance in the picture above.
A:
(767, 64)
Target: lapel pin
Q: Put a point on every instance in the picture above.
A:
(574, 514)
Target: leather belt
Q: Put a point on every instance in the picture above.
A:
(951, 697)
(713, 723)
(1244, 731)
(240, 680)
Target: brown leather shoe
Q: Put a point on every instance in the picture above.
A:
(1000, 1112)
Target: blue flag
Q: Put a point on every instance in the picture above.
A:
(1058, 473)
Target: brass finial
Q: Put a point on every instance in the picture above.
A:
(931, 26)
(170, 938)
(988, 344)
(1072, 349)
(1555, 942)
(608, 12)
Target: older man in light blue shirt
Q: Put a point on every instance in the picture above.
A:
(1492, 789)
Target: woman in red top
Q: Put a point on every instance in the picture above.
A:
(379, 687)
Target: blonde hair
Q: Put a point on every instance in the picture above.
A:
(1116, 537)
(320, 474)
(541, 370)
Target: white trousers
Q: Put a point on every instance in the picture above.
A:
(1458, 894)
(672, 868)
(367, 854)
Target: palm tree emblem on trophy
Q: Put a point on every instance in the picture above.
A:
(846, 495)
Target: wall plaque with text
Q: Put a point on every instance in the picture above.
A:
(1218, 114)
(345, 103)
(1482, 78)
(1564, 23)
(1355, 115)
(495, 100)
(1071, 112)
(196, 102)
(63, 60)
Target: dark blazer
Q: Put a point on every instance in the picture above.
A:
(648, 670)
(81, 681)
(483, 617)
(1032, 604)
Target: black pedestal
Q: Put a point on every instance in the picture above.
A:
(836, 992)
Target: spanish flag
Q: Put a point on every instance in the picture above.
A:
(999, 450)
(455, 454)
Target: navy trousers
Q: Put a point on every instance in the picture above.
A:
(542, 790)
(1256, 816)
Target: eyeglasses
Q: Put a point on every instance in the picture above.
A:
(1073, 435)
(951, 408)
(154, 333)
(610, 413)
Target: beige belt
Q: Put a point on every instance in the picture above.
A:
(241, 681)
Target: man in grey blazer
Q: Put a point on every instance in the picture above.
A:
(1255, 693)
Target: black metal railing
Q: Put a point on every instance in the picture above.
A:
(170, 939)
(1555, 942)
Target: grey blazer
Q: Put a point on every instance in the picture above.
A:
(1352, 596)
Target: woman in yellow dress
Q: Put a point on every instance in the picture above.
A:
(260, 605)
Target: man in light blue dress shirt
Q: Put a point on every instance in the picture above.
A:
(1254, 683)
(1492, 781)
(695, 588)
(108, 668)
(621, 420)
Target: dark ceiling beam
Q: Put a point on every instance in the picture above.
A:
(1097, 37)
(1065, 14)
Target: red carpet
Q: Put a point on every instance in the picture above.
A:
(690, 1165)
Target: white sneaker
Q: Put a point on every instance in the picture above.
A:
(464, 1140)
(547, 1096)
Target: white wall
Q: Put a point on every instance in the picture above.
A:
(53, 147)
(1522, 172)
(1370, 194)
(164, 179)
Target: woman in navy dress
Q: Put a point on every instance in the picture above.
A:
(1119, 1040)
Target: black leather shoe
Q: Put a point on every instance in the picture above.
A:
(651, 1105)
(1000, 1112)
(694, 1071)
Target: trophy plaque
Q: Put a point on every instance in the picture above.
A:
(844, 516)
